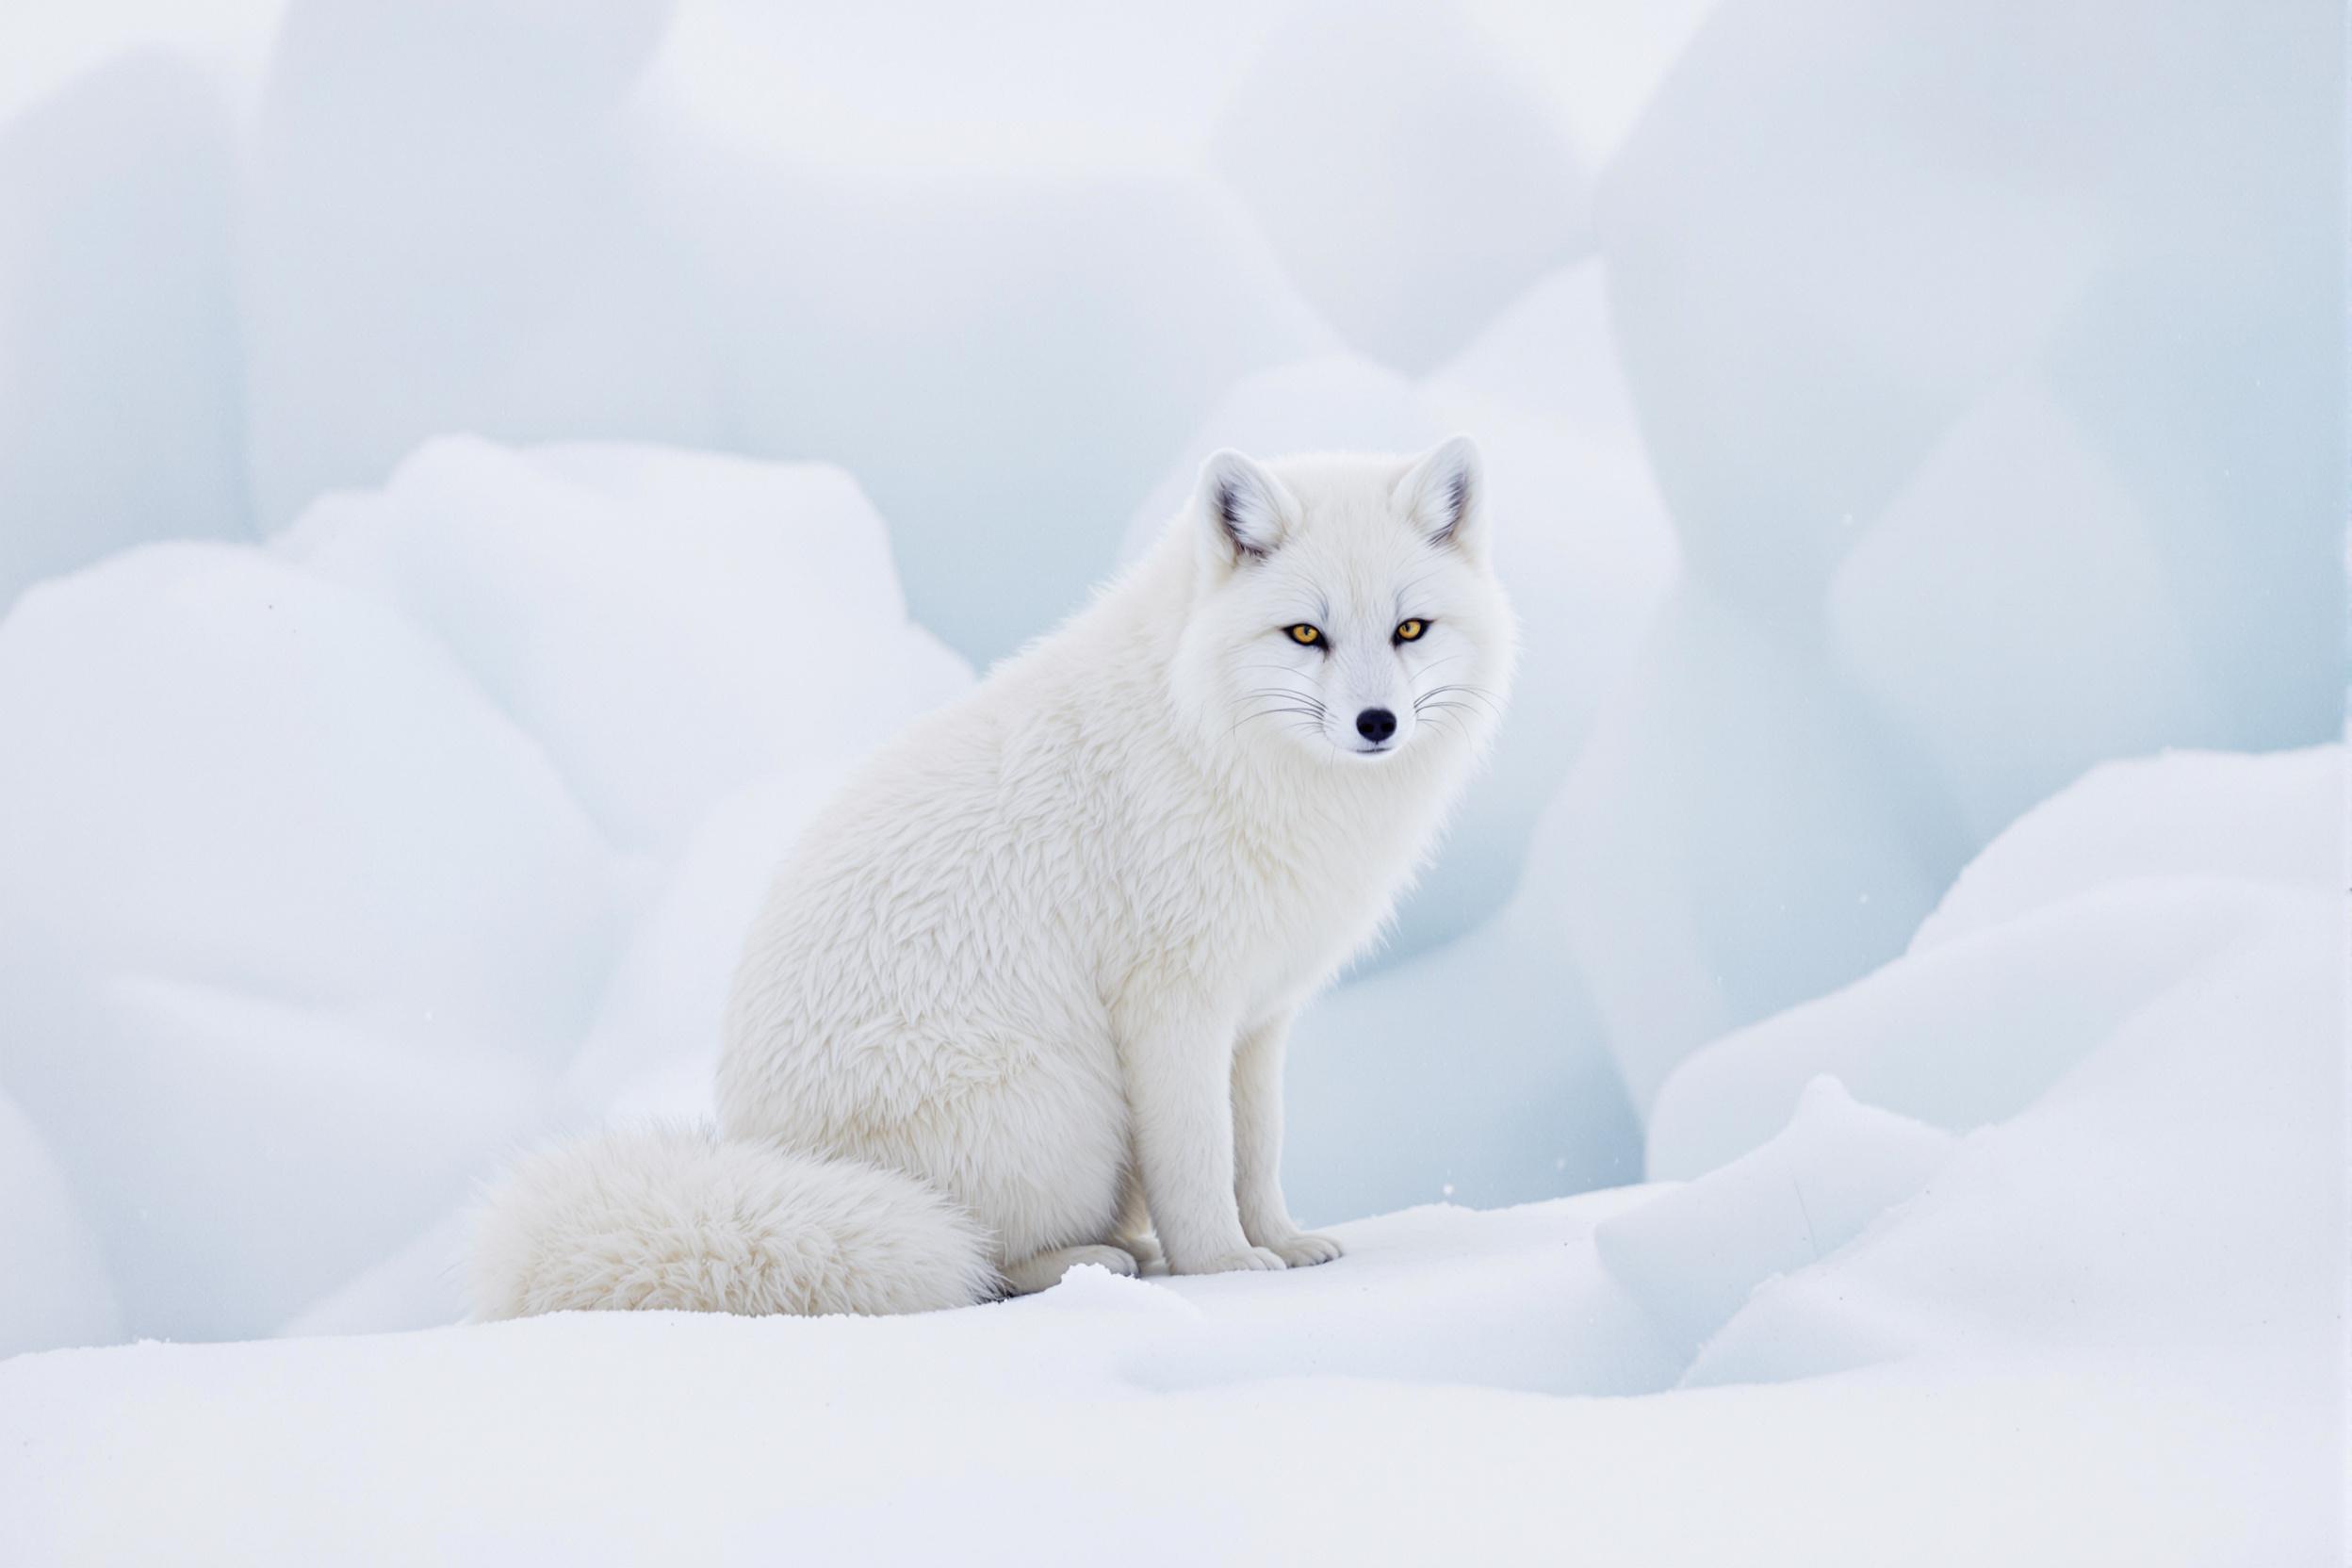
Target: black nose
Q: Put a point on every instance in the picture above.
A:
(1376, 724)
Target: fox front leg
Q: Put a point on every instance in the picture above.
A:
(1178, 1064)
(1258, 1149)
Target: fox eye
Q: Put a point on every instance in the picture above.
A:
(1409, 631)
(1305, 635)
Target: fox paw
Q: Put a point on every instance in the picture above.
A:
(1146, 1247)
(1249, 1258)
(1305, 1250)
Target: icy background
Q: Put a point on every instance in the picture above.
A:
(473, 473)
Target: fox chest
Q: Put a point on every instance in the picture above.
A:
(1256, 911)
(1291, 928)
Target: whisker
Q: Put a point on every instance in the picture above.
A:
(1314, 715)
(1478, 693)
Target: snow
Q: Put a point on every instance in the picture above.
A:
(61, 1292)
(1737, 835)
(550, 574)
(131, 162)
(1069, 86)
(1598, 64)
(1694, 1254)
(189, 722)
(1916, 214)
(2163, 1198)
(2272, 819)
(429, 826)
(1398, 1094)
(1961, 1034)
(441, 226)
(1354, 1411)
(1979, 419)
(1004, 360)
(52, 48)
(1346, 140)
(2045, 949)
(2083, 656)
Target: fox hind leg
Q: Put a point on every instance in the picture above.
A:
(1134, 1232)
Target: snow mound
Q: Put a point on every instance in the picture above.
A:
(1737, 835)
(653, 1048)
(1802, 314)
(240, 1156)
(1599, 62)
(899, 85)
(119, 345)
(1961, 467)
(418, 1285)
(2011, 615)
(2012, 419)
(2182, 1189)
(1694, 1253)
(1973, 1026)
(653, 618)
(1002, 359)
(332, 870)
(59, 1292)
(225, 769)
(441, 231)
(2278, 818)
(1403, 1090)
(1410, 178)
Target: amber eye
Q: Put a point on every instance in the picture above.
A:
(1305, 635)
(1409, 631)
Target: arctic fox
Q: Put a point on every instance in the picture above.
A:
(1018, 998)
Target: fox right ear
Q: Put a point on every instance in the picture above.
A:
(1445, 493)
(1247, 509)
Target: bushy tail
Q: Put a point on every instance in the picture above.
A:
(671, 1215)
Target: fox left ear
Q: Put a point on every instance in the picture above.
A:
(1444, 494)
(1248, 511)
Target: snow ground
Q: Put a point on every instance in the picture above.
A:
(1463, 1386)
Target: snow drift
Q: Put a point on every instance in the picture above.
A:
(323, 861)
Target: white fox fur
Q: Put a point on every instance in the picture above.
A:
(1020, 996)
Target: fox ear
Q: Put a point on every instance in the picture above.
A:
(1247, 509)
(1444, 494)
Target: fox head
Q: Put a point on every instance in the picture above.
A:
(1346, 610)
